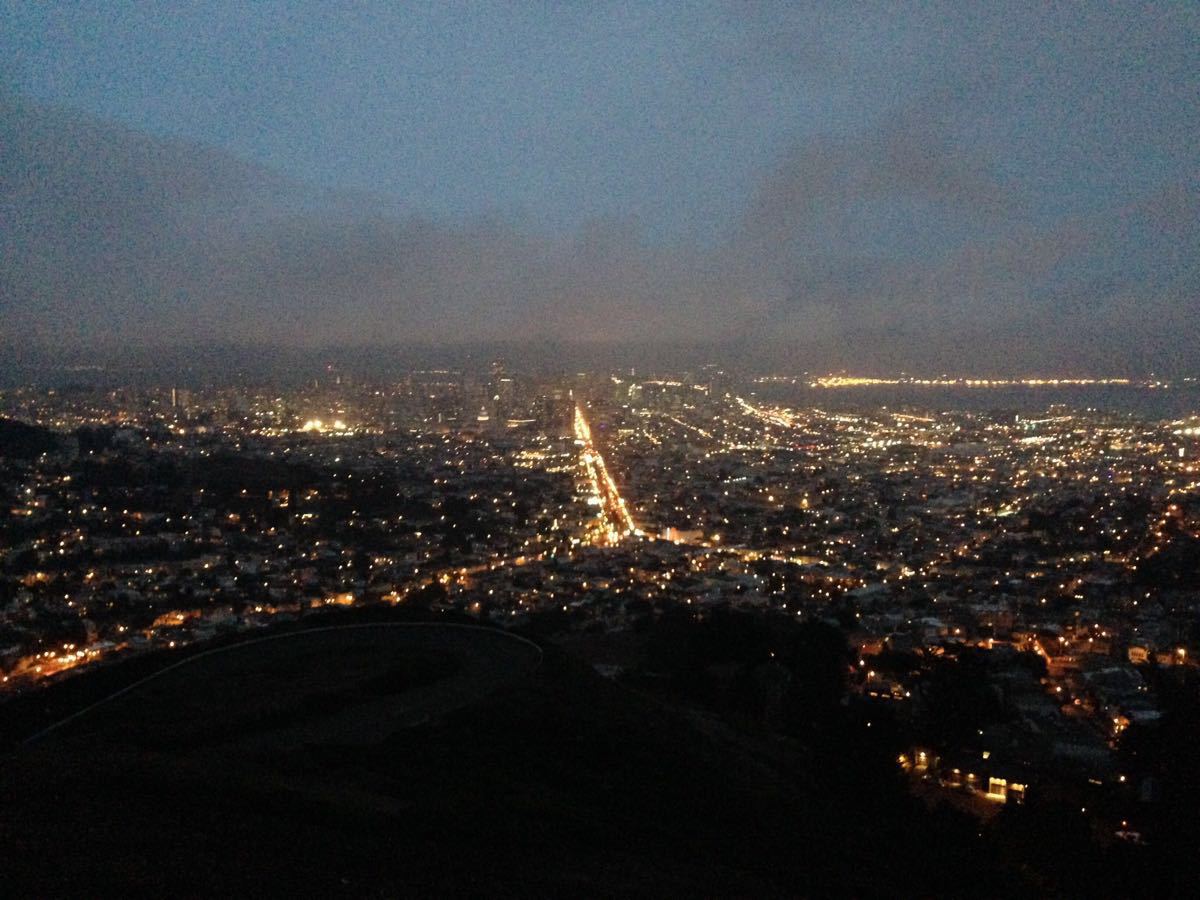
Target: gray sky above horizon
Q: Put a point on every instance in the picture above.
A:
(806, 173)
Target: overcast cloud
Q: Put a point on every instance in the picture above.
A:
(974, 192)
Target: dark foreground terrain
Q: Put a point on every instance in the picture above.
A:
(387, 761)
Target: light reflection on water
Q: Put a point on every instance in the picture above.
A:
(1175, 402)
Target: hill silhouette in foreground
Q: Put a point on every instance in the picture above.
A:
(383, 761)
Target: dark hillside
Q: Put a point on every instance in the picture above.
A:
(552, 781)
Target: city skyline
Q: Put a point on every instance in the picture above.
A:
(725, 448)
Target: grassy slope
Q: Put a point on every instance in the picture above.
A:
(563, 782)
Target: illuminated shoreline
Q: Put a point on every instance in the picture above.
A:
(854, 381)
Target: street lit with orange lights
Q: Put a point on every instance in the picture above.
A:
(615, 522)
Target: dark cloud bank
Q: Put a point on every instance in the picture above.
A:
(897, 248)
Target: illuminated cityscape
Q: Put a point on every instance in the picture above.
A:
(925, 526)
(617, 450)
(1048, 551)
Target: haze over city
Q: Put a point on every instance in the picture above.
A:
(649, 449)
(1000, 187)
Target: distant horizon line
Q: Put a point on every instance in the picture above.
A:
(782, 359)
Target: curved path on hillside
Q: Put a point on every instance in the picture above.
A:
(342, 685)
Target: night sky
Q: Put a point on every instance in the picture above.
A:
(995, 186)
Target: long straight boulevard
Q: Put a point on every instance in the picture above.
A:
(615, 521)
